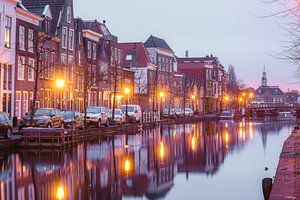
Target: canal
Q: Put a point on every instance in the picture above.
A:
(206, 160)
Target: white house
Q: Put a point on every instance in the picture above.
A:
(7, 54)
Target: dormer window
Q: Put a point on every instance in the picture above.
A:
(129, 57)
(69, 16)
(47, 26)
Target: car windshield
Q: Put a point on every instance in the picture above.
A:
(93, 110)
(68, 114)
(3, 117)
(129, 109)
(117, 112)
(226, 113)
(45, 112)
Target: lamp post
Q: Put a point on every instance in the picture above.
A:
(193, 99)
(161, 95)
(226, 99)
(126, 91)
(60, 83)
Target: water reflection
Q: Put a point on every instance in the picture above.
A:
(127, 166)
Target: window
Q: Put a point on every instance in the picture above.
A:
(53, 64)
(21, 38)
(25, 103)
(7, 37)
(69, 15)
(79, 37)
(89, 49)
(18, 104)
(94, 51)
(64, 37)
(79, 58)
(30, 40)
(71, 39)
(21, 61)
(71, 68)
(30, 69)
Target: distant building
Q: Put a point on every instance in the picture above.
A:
(269, 94)
(291, 97)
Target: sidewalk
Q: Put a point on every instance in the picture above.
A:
(287, 179)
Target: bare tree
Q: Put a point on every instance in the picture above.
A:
(44, 45)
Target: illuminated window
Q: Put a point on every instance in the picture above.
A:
(7, 36)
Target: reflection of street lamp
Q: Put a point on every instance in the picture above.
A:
(162, 152)
(60, 193)
(60, 83)
(127, 91)
(161, 95)
(127, 165)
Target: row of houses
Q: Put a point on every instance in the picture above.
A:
(41, 42)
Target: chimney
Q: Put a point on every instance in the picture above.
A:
(186, 53)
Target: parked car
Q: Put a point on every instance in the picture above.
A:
(96, 115)
(119, 117)
(44, 117)
(166, 113)
(134, 113)
(73, 119)
(6, 125)
(226, 115)
(188, 112)
(178, 112)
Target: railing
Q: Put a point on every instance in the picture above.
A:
(150, 117)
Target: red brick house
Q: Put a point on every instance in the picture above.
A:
(136, 57)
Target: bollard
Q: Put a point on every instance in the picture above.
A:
(267, 184)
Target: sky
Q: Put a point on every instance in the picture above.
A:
(228, 29)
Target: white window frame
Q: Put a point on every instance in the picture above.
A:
(30, 40)
(89, 49)
(21, 68)
(31, 69)
(94, 51)
(79, 58)
(64, 34)
(8, 31)
(71, 39)
(69, 14)
(22, 38)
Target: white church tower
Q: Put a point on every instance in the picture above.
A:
(264, 80)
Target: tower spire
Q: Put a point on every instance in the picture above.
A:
(264, 80)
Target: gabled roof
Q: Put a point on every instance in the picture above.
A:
(156, 42)
(101, 28)
(38, 7)
(269, 90)
(136, 50)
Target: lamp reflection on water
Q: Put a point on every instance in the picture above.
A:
(162, 151)
(60, 193)
(193, 143)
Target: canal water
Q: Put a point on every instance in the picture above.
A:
(206, 160)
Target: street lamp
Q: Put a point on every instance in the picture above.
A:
(60, 83)
(226, 99)
(127, 91)
(193, 98)
(161, 95)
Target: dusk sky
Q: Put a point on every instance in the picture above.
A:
(228, 29)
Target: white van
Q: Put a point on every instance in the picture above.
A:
(134, 113)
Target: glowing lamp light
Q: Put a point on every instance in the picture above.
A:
(161, 94)
(60, 83)
(60, 193)
(241, 99)
(127, 165)
(193, 97)
(127, 90)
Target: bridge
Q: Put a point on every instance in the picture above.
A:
(271, 109)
